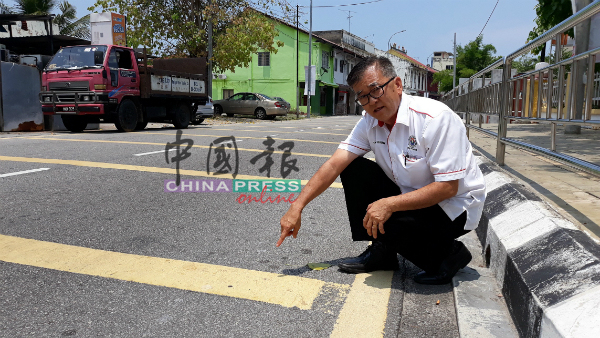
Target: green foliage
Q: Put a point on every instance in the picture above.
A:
(179, 28)
(69, 24)
(525, 63)
(470, 59)
(35, 7)
(549, 14)
(444, 80)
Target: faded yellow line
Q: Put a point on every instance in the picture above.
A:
(170, 171)
(239, 137)
(284, 290)
(162, 144)
(365, 311)
(285, 132)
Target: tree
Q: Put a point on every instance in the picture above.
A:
(69, 24)
(67, 21)
(35, 7)
(180, 27)
(470, 59)
(525, 63)
(549, 14)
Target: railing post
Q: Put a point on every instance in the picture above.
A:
(553, 136)
(589, 88)
(502, 122)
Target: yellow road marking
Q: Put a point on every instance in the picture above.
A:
(285, 132)
(284, 290)
(163, 144)
(170, 171)
(365, 310)
(238, 137)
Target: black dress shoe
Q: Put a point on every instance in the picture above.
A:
(376, 257)
(449, 267)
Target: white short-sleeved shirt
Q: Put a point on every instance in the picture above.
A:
(427, 144)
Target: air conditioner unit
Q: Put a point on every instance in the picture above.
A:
(222, 76)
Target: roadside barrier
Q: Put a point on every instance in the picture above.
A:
(548, 269)
(563, 92)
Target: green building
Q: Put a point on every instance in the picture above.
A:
(275, 74)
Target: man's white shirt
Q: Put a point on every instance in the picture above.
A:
(427, 144)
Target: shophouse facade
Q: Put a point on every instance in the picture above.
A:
(275, 74)
(417, 78)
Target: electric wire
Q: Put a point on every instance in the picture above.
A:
(488, 20)
(360, 3)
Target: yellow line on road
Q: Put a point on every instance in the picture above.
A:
(248, 137)
(169, 171)
(285, 132)
(365, 311)
(284, 290)
(163, 144)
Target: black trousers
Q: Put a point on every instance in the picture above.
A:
(424, 236)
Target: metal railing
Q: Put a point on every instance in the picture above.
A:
(563, 92)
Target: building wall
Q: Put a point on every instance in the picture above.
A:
(279, 79)
(34, 28)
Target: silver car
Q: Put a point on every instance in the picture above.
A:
(259, 105)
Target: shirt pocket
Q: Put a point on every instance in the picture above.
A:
(415, 172)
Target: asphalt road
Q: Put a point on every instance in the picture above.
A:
(93, 245)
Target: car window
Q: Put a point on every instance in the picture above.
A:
(237, 97)
(266, 97)
(251, 97)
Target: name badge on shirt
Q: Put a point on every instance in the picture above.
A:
(412, 142)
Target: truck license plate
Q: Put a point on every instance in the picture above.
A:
(68, 108)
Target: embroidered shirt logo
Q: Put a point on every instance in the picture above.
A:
(378, 142)
(412, 142)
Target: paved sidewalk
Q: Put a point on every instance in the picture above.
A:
(573, 193)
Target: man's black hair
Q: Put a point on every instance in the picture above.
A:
(381, 62)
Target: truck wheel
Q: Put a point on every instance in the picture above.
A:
(260, 114)
(181, 116)
(141, 125)
(127, 116)
(74, 124)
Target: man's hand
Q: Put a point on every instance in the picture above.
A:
(377, 213)
(290, 224)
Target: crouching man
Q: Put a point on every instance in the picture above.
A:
(423, 191)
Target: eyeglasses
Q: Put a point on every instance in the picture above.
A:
(375, 93)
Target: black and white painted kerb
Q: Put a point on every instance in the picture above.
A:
(548, 269)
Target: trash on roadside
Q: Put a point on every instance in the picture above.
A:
(318, 266)
(438, 302)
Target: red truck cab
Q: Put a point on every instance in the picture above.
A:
(105, 83)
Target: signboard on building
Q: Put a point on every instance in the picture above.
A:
(108, 29)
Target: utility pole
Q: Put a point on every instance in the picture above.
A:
(308, 82)
(210, 54)
(454, 65)
(297, 63)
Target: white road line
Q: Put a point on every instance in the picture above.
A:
(152, 152)
(24, 172)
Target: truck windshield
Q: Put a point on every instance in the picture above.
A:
(77, 57)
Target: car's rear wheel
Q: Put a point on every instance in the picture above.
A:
(260, 113)
(75, 124)
(218, 110)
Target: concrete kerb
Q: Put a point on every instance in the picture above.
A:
(548, 270)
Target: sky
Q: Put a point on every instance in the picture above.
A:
(430, 25)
